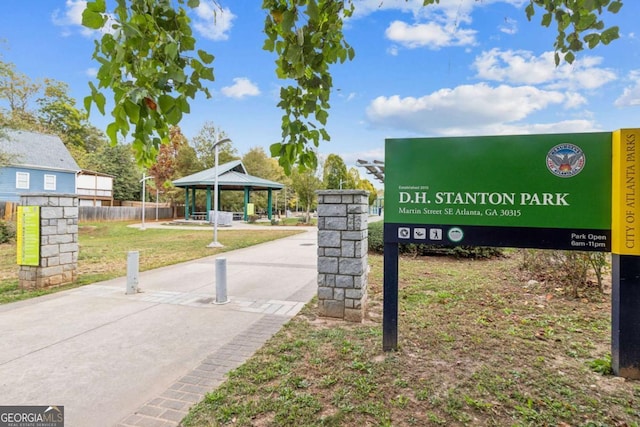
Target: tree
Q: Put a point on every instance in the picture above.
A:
(204, 142)
(118, 160)
(259, 164)
(16, 88)
(334, 174)
(144, 60)
(305, 183)
(366, 185)
(145, 52)
(164, 169)
(58, 114)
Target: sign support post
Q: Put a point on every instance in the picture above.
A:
(390, 298)
(625, 316)
(625, 258)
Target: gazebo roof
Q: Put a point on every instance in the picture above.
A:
(231, 176)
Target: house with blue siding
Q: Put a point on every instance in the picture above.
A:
(38, 163)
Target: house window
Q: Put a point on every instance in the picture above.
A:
(50, 182)
(22, 180)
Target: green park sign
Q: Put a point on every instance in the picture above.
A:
(28, 235)
(539, 191)
(559, 191)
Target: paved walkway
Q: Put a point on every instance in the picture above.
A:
(142, 360)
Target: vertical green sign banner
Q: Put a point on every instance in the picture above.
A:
(28, 235)
(539, 191)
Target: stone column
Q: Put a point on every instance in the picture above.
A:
(58, 241)
(342, 253)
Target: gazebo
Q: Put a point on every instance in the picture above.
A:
(231, 176)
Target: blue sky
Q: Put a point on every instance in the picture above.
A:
(464, 67)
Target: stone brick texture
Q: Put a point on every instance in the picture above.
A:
(59, 247)
(342, 253)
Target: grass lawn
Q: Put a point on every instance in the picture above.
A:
(478, 346)
(104, 247)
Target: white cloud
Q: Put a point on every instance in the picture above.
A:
(574, 100)
(72, 15)
(91, 72)
(631, 95)
(465, 109)
(510, 26)
(212, 21)
(370, 155)
(453, 10)
(71, 18)
(431, 35)
(522, 67)
(241, 88)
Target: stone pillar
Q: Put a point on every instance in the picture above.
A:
(342, 253)
(58, 241)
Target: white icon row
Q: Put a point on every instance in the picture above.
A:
(454, 234)
(420, 233)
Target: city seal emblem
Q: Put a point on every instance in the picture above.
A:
(565, 160)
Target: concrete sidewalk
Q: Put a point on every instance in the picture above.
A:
(144, 359)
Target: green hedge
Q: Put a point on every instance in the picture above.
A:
(376, 244)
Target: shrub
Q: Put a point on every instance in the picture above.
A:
(376, 244)
(7, 231)
(569, 269)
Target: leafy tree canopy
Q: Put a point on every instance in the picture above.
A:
(335, 175)
(148, 59)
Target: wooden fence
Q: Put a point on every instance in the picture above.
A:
(8, 211)
(123, 213)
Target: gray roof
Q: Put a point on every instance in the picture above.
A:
(231, 176)
(36, 150)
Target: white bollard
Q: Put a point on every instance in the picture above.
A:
(221, 281)
(132, 272)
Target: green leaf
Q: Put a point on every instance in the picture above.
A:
(585, 22)
(93, 20)
(614, 7)
(132, 110)
(171, 50)
(87, 103)
(322, 116)
(166, 102)
(275, 149)
(100, 100)
(312, 10)
(97, 6)
(569, 57)
(205, 57)
(530, 11)
(609, 35)
(592, 40)
(112, 132)
(193, 3)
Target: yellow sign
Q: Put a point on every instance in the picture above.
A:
(28, 235)
(251, 209)
(625, 206)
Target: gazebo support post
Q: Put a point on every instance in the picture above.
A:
(246, 203)
(208, 202)
(269, 203)
(186, 203)
(193, 197)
